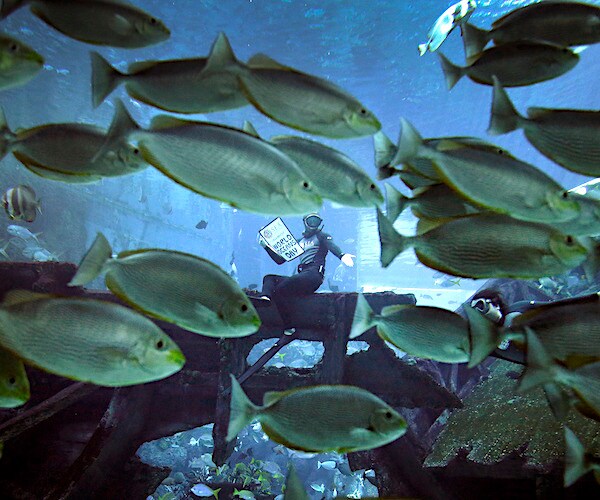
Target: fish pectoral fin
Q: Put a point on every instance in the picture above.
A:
(121, 25)
(208, 315)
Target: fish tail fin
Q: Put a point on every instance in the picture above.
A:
(575, 460)
(121, 128)
(474, 40)
(422, 49)
(452, 72)
(249, 129)
(105, 79)
(395, 202)
(93, 261)
(540, 366)
(242, 410)
(221, 54)
(7, 136)
(392, 243)
(409, 142)
(484, 336)
(216, 493)
(385, 150)
(364, 317)
(504, 117)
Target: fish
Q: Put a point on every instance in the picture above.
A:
(294, 489)
(318, 487)
(319, 418)
(205, 157)
(584, 382)
(421, 331)
(516, 64)
(426, 296)
(332, 287)
(333, 174)
(20, 63)
(488, 246)
(99, 22)
(203, 490)
(243, 494)
(86, 339)
(177, 287)
(492, 180)
(23, 234)
(195, 85)
(578, 462)
(21, 203)
(202, 224)
(327, 464)
(305, 102)
(438, 202)
(252, 286)
(447, 282)
(73, 152)
(568, 137)
(14, 384)
(450, 19)
(194, 442)
(39, 254)
(564, 23)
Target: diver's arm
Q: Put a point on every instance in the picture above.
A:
(278, 259)
(332, 247)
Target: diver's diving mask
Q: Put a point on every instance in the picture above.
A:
(488, 309)
(312, 221)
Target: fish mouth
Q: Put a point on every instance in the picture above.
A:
(176, 357)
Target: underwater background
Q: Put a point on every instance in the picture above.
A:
(369, 48)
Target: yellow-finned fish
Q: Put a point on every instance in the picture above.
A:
(515, 64)
(18, 63)
(86, 339)
(568, 137)
(450, 19)
(578, 461)
(294, 489)
(334, 175)
(21, 203)
(491, 179)
(14, 384)
(565, 23)
(200, 85)
(177, 287)
(488, 245)
(319, 418)
(73, 152)
(100, 22)
(225, 164)
(305, 102)
(421, 331)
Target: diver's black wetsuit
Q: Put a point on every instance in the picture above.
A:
(311, 271)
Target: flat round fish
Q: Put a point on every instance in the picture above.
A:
(183, 289)
(231, 166)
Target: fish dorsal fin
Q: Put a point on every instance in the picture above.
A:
(127, 253)
(272, 397)
(221, 54)
(14, 297)
(249, 129)
(523, 319)
(449, 145)
(136, 67)
(389, 310)
(535, 112)
(264, 61)
(167, 121)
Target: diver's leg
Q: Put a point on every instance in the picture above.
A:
(301, 284)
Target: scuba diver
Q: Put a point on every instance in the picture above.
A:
(311, 270)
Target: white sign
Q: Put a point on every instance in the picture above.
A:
(280, 240)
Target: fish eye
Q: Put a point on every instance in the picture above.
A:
(12, 380)
(569, 240)
(372, 187)
(136, 151)
(153, 20)
(500, 151)
(388, 415)
(565, 195)
(363, 111)
(13, 47)
(244, 308)
(305, 185)
(160, 345)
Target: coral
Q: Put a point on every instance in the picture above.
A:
(496, 422)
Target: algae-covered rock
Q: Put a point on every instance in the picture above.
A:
(496, 421)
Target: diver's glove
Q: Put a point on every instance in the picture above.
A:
(347, 259)
(261, 241)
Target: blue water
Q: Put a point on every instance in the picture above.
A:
(369, 48)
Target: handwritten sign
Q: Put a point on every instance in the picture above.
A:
(280, 240)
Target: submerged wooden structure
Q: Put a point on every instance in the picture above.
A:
(78, 441)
